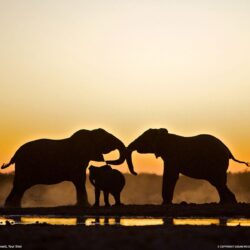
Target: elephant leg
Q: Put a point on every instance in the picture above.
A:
(15, 197)
(106, 199)
(97, 197)
(226, 196)
(117, 199)
(170, 177)
(81, 193)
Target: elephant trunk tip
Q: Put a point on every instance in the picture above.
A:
(129, 162)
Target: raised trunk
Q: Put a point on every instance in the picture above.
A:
(122, 151)
(124, 155)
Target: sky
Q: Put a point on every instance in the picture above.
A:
(125, 66)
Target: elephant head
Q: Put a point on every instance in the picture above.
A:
(148, 142)
(94, 172)
(101, 142)
(107, 143)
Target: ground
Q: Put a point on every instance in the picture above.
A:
(117, 237)
(166, 236)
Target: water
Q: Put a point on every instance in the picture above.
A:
(123, 221)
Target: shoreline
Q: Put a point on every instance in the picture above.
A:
(174, 210)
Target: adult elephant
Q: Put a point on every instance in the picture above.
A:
(201, 157)
(47, 161)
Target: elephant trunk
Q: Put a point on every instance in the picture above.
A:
(124, 155)
(129, 162)
(122, 151)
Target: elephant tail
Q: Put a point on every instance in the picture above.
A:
(8, 164)
(243, 162)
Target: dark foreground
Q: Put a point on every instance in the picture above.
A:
(167, 236)
(117, 237)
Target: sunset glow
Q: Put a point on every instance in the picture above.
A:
(125, 66)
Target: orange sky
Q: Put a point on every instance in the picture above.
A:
(125, 66)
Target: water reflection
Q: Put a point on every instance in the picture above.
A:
(101, 221)
(6, 221)
(141, 222)
(90, 222)
(238, 222)
(50, 221)
(196, 221)
(124, 221)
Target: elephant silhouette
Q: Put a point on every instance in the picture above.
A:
(201, 157)
(48, 161)
(108, 180)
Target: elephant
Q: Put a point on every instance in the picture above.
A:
(47, 161)
(202, 157)
(108, 180)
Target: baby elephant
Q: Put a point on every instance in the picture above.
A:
(107, 180)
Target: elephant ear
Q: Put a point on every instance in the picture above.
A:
(98, 136)
(159, 141)
(79, 143)
(103, 142)
(96, 144)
